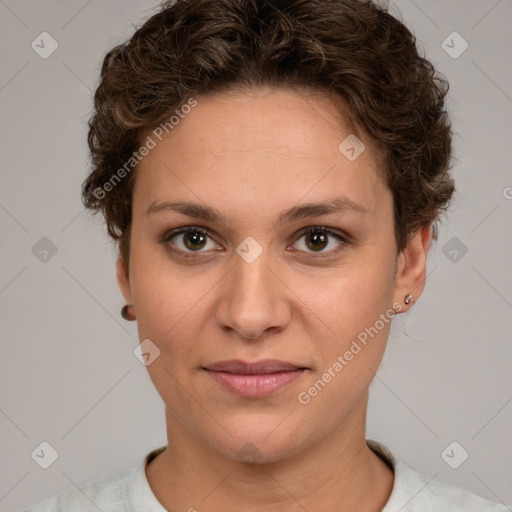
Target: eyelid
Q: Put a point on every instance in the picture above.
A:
(186, 229)
(342, 237)
(183, 230)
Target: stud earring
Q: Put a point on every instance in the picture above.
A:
(126, 314)
(408, 298)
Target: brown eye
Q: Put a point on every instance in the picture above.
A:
(317, 239)
(194, 240)
(188, 240)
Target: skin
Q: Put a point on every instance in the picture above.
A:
(251, 155)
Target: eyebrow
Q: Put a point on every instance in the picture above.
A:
(304, 211)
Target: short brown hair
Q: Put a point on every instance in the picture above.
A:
(353, 49)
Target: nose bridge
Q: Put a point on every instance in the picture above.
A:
(253, 300)
(251, 270)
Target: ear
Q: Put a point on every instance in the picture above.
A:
(412, 267)
(123, 279)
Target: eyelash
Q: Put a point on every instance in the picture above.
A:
(312, 229)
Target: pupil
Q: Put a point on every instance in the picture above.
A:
(316, 239)
(196, 238)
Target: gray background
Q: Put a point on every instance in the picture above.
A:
(68, 375)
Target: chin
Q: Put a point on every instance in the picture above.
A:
(259, 446)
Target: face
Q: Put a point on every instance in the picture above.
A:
(290, 256)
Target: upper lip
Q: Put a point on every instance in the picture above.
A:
(255, 368)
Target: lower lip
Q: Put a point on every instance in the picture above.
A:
(254, 386)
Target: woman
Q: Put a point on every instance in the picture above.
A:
(273, 172)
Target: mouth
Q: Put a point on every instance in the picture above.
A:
(254, 379)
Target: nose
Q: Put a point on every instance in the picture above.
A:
(254, 301)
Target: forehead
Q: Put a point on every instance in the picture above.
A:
(301, 122)
(261, 147)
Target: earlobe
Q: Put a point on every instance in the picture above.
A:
(411, 268)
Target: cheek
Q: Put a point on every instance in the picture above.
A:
(358, 314)
(350, 299)
(164, 294)
(169, 309)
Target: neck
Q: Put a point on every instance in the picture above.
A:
(340, 472)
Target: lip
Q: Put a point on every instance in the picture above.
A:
(254, 379)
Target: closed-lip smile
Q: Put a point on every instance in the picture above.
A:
(254, 379)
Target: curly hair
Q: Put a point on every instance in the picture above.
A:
(350, 49)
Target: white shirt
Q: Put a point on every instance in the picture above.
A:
(129, 491)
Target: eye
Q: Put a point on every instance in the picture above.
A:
(190, 239)
(318, 238)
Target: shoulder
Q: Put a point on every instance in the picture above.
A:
(123, 491)
(107, 495)
(416, 492)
